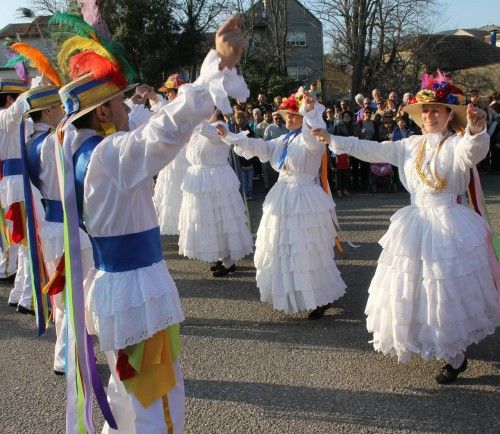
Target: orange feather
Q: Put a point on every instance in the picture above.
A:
(38, 60)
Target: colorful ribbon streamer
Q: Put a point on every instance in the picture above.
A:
(86, 369)
(37, 266)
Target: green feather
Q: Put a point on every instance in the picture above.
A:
(72, 24)
(11, 63)
(117, 50)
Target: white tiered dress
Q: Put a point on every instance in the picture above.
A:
(168, 193)
(294, 254)
(212, 222)
(433, 293)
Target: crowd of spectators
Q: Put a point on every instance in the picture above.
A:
(376, 118)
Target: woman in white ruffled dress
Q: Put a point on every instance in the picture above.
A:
(294, 254)
(212, 221)
(168, 193)
(433, 292)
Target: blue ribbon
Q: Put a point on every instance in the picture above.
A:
(33, 158)
(32, 234)
(12, 166)
(287, 139)
(53, 211)
(127, 252)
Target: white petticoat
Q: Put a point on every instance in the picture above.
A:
(11, 190)
(294, 253)
(432, 293)
(168, 193)
(212, 220)
(128, 307)
(52, 237)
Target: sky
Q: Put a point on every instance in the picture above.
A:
(456, 13)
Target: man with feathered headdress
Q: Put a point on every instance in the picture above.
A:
(132, 303)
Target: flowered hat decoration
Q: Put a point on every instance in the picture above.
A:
(174, 81)
(439, 89)
(292, 103)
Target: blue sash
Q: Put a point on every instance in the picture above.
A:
(81, 159)
(12, 166)
(117, 253)
(127, 252)
(287, 139)
(33, 161)
(53, 211)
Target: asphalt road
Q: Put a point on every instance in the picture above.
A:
(249, 369)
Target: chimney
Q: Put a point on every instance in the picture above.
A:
(493, 37)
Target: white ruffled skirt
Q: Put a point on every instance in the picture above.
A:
(128, 307)
(294, 253)
(212, 221)
(11, 190)
(168, 193)
(432, 294)
(52, 238)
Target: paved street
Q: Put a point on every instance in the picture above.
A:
(249, 369)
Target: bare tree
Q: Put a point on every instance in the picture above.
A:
(366, 34)
(195, 19)
(52, 6)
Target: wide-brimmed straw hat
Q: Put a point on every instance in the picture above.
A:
(86, 93)
(292, 104)
(40, 98)
(439, 90)
(173, 82)
(13, 85)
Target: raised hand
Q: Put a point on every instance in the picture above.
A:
(476, 119)
(221, 131)
(309, 101)
(229, 42)
(322, 135)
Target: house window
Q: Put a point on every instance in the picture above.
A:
(296, 39)
(299, 73)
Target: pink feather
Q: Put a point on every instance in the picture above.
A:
(427, 80)
(91, 14)
(442, 77)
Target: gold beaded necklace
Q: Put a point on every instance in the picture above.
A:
(440, 182)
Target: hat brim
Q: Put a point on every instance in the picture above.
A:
(460, 112)
(282, 113)
(83, 112)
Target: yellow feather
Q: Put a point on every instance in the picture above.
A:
(79, 44)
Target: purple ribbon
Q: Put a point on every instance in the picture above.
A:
(86, 357)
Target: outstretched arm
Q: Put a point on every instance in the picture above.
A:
(474, 145)
(134, 157)
(367, 150)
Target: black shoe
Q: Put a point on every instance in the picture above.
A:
(9, 279)
(216, 265)
(25, 310)
(223, 271)
(449, 374)
(59, 372)
(13, 304)
(319, 312)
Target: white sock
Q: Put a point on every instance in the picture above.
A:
(456, 361)
(227, 262)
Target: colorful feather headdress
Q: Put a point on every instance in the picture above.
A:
(44, 96)
(97, 66)
(174, 81)
(439, 89)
